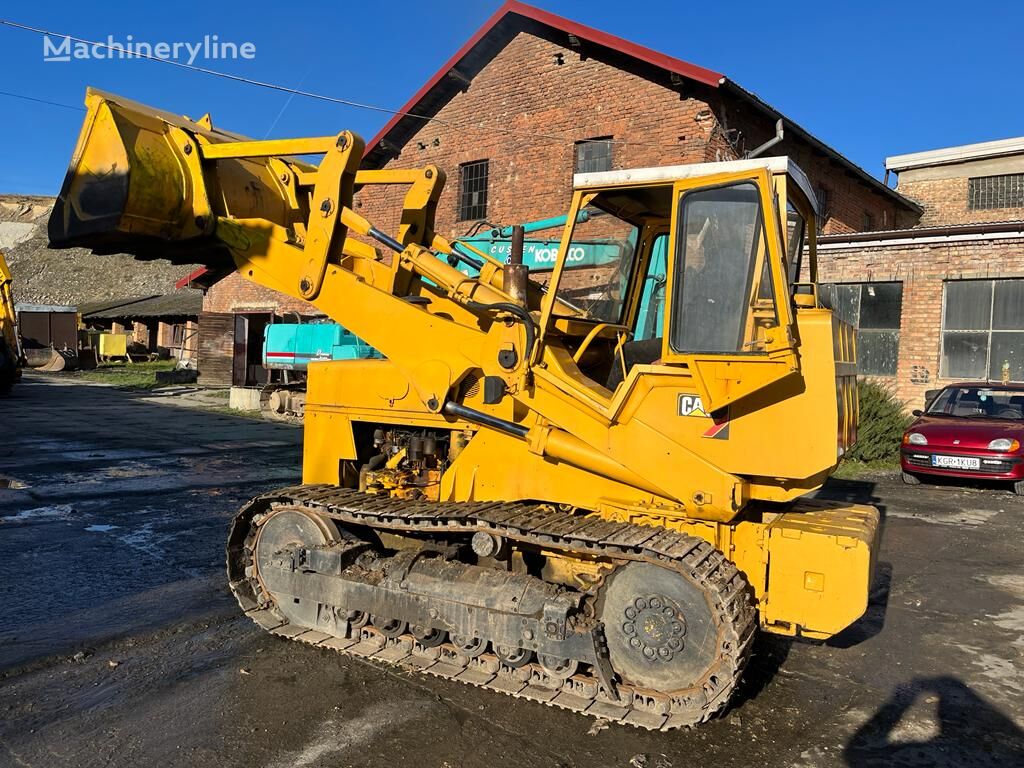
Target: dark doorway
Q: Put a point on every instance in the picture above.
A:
(247, 356)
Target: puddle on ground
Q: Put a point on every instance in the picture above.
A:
(1000, 675)
(971, 517)
(144, 539)
(134, 469)
(1013, 619)
(333, 736)
(1012, 583)
(101, 528)
(57, 512)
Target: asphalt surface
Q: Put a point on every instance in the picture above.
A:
(120, 645)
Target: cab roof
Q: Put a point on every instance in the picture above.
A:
(773, 165)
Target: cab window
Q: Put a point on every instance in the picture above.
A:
(795, 229)
(651, 314)
(598, 264)
(720, 247)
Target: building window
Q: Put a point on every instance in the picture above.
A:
(984, 192)
(983, 330)
(473, 190)
(824, 206)
(874, 310)
(594, 155)
(867, 222)
(177, 335)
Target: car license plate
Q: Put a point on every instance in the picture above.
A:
(956, 462)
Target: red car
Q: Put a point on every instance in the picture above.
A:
(969, 430)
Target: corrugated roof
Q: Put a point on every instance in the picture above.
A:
(514, 16)
(26, 307)
(804, 135)
(187, 302)
(89, 307)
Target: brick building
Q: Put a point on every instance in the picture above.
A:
(530, 99)
(941, 301)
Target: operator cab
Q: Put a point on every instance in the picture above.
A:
(680, 264)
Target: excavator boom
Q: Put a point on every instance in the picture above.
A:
(583, 488)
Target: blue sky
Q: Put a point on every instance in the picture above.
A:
(870, 78)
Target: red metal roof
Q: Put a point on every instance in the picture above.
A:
(186, 281)
(669, 63)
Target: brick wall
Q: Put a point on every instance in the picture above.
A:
(524, 89)
(945, 202)
(234, 294)
(165, 334)
(922, 268)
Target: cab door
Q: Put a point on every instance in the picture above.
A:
(729, 318)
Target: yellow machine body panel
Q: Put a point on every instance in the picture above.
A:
(12, 358)
(740, 399)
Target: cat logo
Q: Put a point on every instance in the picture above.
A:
(691, 405)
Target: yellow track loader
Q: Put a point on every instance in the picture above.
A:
(582, 492)
(12, 358)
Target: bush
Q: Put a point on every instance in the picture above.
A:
(881, 426)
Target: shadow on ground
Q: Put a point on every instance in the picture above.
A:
(970, 731)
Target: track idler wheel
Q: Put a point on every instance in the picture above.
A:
(513, 657)
(389, 627)
(284, 529)
(428, 637)
(469, 646)
(556, 667)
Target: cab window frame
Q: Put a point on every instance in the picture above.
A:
(678, 261)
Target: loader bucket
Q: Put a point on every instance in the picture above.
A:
(52, 360)
(135, 184)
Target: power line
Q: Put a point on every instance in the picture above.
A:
(320, 96)
(41, 101)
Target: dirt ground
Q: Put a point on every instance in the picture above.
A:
(120, 645)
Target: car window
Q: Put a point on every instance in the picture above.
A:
(979, 402)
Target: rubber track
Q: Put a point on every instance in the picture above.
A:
(538, 526)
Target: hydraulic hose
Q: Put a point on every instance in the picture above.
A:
(501, 306)
(513, 309)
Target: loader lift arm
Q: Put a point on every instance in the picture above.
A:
(251, 207)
